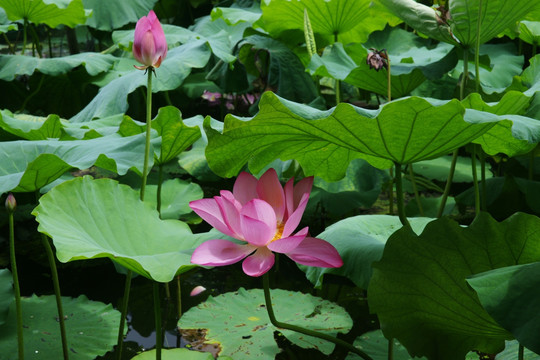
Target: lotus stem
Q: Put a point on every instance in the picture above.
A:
(415, 190)
(475, 182)
(391, 349)
(299, 329)
(25, 25)
(521, 352)
(157, 316)
(56, 285)
(446, 192)
(150, 70)
(477, 50)
(179, 296)
(399, 196)
(123, 314)
(16, 286)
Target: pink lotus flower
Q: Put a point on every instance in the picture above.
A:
(264, 215)
(149, 45)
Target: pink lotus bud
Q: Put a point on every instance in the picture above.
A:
(149, 45)
(197, 290)
(11, 204)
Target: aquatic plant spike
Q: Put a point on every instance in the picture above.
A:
(149, 45)
(264, 215)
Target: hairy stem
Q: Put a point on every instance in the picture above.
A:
(446, 192)
(16, 286)
(399, 196)
(157, 316)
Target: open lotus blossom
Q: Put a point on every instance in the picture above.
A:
(149, 44)
(264, 215)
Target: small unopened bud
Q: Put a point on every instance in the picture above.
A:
(11, 203)
(377, 59)
(197, 290)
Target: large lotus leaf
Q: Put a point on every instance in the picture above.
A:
(511, 351)
(360, 241)
(175, 135)
(419, 289)
(510, 295)
(376, 345)
(30, 165)
(220, 36)
(496, 73)
(529, 31)
(234, 15)
(324, 142)
(286, 73)
(13, 65)
(329, 18)
(461, 28)
(6, 294)
(512, 135)
(49, 12)
(239, 322)
(109, 15)
(437, 169)
(412, 59)
(360, 187)
(497, 15)
(112, 98)
(175, 197)
(516, 136)
(101, 218)
(91, 327)
(175, 354)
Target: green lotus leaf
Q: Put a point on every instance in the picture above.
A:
(330, 18)
(101, 218)
(461, 28)
(510, 295)
(13, 65)
(412, 59)
(5, 24)
(286, 73)
(32, 127)
(91, 327)
(239, 323)
(419, 291)
(109, 15)
(360, 187)
(6, 294)
(501, 63)
(511, 352)
(175, 354)
(529, 31)
(49, 12)
(376, 345)
(112, 98)
(437, 169)
(234, 15)
(517, 136)
(360, 241)
(30, 165)
(175, 197)
(324, 142)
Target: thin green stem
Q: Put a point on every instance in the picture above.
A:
(399, 196)
(391, 191)
(36, 41)
(415, 190)
(465, 74)
(16, 286)
(11, 47)
(159, 186)
(25, 25)
(446, 192)
(477, 49)
(179, 296)
(148, 130)
(123, 315)
(301, 330)
(157, 316)
(31, 96)
(391, 349)
(475, 182)
(56, 286)
(521, 352)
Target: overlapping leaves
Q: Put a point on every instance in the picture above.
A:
(419, 289)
